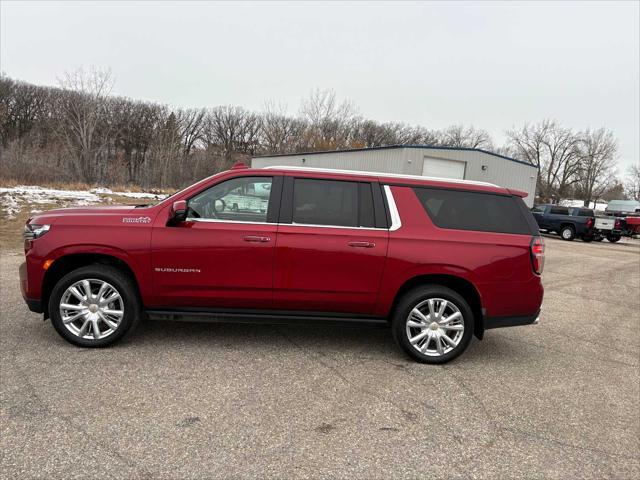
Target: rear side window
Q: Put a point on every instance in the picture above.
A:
(483, 212)
(559, 211)
(325, 202)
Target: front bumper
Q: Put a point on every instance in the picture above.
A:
(34, 304)
(500, 322)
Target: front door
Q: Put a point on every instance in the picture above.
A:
(222, 255)
(329, 255)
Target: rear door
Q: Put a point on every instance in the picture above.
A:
(331, 246)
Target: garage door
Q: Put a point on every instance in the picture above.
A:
(437, 167)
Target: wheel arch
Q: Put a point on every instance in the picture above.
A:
(72, 261)
(456, 283)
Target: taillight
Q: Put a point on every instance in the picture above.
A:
(589, 222)
(537, 254)
(618, 223)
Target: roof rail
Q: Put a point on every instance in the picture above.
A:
(379, 174)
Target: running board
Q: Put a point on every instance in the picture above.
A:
(255, 317)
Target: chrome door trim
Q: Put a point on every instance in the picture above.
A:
(396, 223)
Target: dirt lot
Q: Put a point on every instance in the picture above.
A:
(558, 400)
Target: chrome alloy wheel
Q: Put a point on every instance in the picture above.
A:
(435, 327)
(91, 309)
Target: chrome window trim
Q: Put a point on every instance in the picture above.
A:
(396, 223)
(294, 224)
(378, 174)
(213, 220)
(217, 220)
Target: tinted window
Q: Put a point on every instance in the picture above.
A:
(559, 211)
(325, 202)
(473, 211)
(538, 209)
(581, 212)
(365, 206)
(244, 199)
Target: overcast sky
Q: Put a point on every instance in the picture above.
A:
(494, 66)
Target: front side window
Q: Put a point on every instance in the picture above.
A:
(325, 202)
(244, 199)
(483, 212)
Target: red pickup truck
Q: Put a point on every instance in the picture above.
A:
(438, 260)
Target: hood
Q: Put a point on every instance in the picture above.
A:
(98, 213)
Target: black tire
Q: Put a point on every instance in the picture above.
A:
(614, 238)
(412, 299)
(567, 233)
(587, 238)
(123, 284)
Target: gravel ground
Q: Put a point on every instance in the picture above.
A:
(556, 400)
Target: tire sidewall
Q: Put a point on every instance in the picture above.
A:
(571, 235)
(110, 275)
(410, 300)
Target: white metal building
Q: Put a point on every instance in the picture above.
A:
(446, 162)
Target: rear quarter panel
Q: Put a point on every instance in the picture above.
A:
(497, 264)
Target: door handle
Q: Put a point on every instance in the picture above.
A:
(362, 244)
(255, 238)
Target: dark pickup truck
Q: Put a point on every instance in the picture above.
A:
(562, 220)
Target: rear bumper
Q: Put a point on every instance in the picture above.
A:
(500, 322)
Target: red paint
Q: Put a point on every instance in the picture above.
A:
(291, 267)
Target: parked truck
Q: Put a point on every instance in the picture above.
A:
(558, 219)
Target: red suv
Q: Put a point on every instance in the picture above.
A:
(439, 260)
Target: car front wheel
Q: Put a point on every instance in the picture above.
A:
(94, 306)
(433, 324)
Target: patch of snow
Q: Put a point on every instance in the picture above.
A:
(35, 194)
(139, 195)
(599, 206)
(10, 205)
(101, 190)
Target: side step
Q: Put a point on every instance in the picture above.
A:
(264, 317)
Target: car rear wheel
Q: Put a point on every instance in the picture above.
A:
(94, 306)
(613, 238)
(433, 324)
(568, 233)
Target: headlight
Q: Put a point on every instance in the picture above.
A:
(32, 231)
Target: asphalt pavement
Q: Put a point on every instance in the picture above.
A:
(180, 400)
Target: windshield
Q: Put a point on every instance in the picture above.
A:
(166, 198)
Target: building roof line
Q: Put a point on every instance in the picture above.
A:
(389, 147)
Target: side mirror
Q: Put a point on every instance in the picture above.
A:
(178, 211)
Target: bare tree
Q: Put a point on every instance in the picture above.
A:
(597, 156)
(233, 129)
(562, 163)
(331, 123)
(191, 124)
(553, 149)
(279, 131)
(528, 142)
(632, 183)
(465, 137)
(83, 110)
